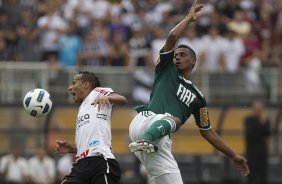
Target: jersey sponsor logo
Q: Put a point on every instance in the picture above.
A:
(204, 117)
(185, 95)
(82, 120)
(94, 143)
(102, 116)
(101, 91)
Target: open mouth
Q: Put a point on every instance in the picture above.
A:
(73, 95)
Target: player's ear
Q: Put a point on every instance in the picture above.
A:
(193, 62)
(86, 84)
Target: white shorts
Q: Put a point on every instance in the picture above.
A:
(160, 164)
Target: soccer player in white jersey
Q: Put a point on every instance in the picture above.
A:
(95, 162)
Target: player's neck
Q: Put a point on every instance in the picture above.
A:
(186, 75)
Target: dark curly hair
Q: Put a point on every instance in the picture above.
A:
(191, 51)
(91, 78)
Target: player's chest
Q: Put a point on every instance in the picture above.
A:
(184, 92)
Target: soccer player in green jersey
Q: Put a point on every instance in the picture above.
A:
(173, 99)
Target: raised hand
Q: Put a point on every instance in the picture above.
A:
(195, 9)
(64, 147)
(102, 102)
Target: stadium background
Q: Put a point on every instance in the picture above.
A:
(229, 93)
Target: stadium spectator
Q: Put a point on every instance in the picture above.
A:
(13, 167)
(69, 45)
(117, 27)
(42, 168)
(8, 34)
(257, 134)
(191, 38)
(118, 51)
(4, 51)
(27, 36)
(80, 11)
(212, 58)
(239, 24)
(233, 51)
(228, 7)
(265, 17)
(50, 26)
(12, 8)
(158, 40)
(93, 48)
(139, 48)
(64, 166)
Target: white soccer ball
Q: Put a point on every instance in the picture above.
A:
(37, 102)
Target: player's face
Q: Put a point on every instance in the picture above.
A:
(183, 60)
(77, 89)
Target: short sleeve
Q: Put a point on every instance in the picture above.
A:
(3, 163)
(165, 60)
(201, 114)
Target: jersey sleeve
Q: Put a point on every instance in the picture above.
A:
(201, 115)
(165, 60)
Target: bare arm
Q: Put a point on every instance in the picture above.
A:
(113, 98)
(214, 139)
(65, 147)
(180, 28)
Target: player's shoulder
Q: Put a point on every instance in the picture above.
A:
(165, 56)
(104, 90)
(199, 92)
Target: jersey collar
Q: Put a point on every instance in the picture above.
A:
(187, 81)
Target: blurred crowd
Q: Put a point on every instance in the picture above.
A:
(38, 168)
(229, 35)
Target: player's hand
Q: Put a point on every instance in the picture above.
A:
(64, 147)
(195, 9)
(241, 165)
(102, 102)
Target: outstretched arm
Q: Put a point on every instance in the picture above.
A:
(113, 98)
(180, 28)
(65, 147)
(214, 139)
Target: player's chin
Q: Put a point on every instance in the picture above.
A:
(75, 100)
(179, 67)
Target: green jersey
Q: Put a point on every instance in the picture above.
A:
(172, 94)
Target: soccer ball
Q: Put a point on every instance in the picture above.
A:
(37, 102)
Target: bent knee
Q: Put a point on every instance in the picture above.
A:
(175, 120)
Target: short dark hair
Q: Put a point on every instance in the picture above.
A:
(91, 78)
(192, 52)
